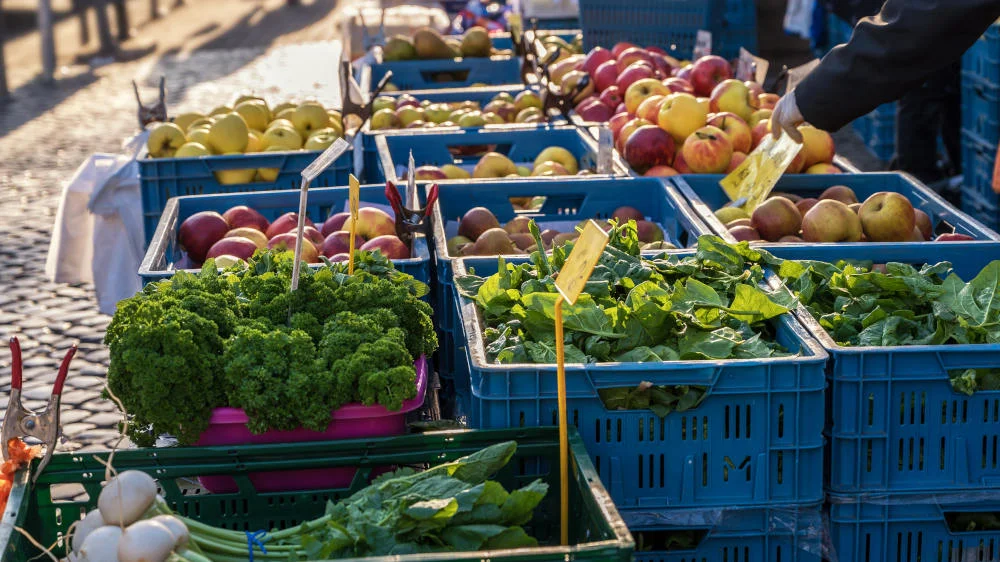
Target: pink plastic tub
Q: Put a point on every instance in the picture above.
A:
(228, 427)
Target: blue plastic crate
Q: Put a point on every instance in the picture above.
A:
(978, 158)
(980, 107)
(903, 529)
(436, 74)
(780, 534)
(983, 57)
(756, 440)
(567, 202)
(164, 255)
(670, 24)
(705, 195)
(163, 178)
(878, 131)
(895, 423)
(464, 147)
(482, 96)
(838, 31)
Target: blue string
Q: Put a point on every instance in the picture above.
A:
(253, 539)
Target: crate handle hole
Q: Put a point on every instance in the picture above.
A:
(443, 76)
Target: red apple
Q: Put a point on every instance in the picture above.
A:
(767, 101)
(707, 72)
(622, 109)
(620, 47)
(313, 235)
(660, 171)
(390, 246)
(372, 222)
(627, 130)
(680, 165)
(631, 55)
(708, 151)
(340, 257)
(340, 242)
(241, 216)
(286, 242)
(797, 164)
(199, 232)
(594, 59)
(287, 222)
(425, 173)
(755, 91)
(953, 237)
(611, 96)
(238, 246)
(606, 75)
(649, 109)
(685, 73)
(735, 128)
(616, 123)
(635, 72)
(759, 131)
(649, 146)
(675, 84)
(735, 161)
(661, 66)
(334, 223)
(595, 111)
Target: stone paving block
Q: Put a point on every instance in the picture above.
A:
(83, 380)
(36, 392)
(106, 419)
(73, 415)
(71, 430)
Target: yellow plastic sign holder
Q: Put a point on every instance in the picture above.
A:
(752, 181)
(570, 283)
(353, 197)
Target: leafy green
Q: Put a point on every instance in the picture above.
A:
(241, 338)
(448, 508)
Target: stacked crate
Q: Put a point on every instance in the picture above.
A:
(981, 125)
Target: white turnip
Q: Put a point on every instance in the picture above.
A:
(177, 528)
(126, 497)
(101, 545)
(146, 541)
(86, 526)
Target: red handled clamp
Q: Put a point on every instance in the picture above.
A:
(19, 421)
(409, 221)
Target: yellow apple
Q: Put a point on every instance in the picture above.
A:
(550, 168)
(758, 116)
(255, 113)
(248, 97)
(559, 155)
(229, 134)
(164, 140)
(192, 149)
(817, 146)
(254, 142)
(706, 103)
(283, 106)
(282, 137)
(200, 136)
(335, 117)
(184, 120)
(309, 117)
(203, 122)
(494, 165)
(681, 114)
(280, 123)
(234, 177)
(285, 114)
(321, 139)
(642, 89)
(270, 174)
(221, 110)
(454, 172)
(337, 127)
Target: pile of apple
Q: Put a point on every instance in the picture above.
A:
(250, 125)
(671, 117)
(836, 216)
(480, 234)
(236, 234)
(408, 112)
(553, 161)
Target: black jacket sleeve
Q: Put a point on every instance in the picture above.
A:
(890, 54)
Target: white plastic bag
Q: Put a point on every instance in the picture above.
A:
(799, 18)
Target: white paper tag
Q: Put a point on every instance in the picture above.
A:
(605, 142)
(324, 160)
(761, 67)
(745, 65)
(411, 184)
(702, 44)
(797, 74)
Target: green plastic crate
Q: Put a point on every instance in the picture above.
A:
(597, 530)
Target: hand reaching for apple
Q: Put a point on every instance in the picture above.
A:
(786, 117)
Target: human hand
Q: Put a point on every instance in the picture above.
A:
(786, 117)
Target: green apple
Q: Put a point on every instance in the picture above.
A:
(164, 140)
(203, 122)
(528, 113)
(184, 120)
(285, 114)
(409, 114)
(504, 96)
(527, 99)
(228, 134)
(248, 97)
(559, 155)
(472, 119)
(383, 102)
(255, 113)
(493, 119)
(494, 165)
(309, 117)
(385, 119)
(280, 123)
(192, 149)
(283, 138)
(200, 136)
(454, 172)
(283, 106)
(437, 113)
(321, 139)
(523, 171)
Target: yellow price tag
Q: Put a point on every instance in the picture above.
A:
(576, 271)
(752, 181)
(354, 200)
